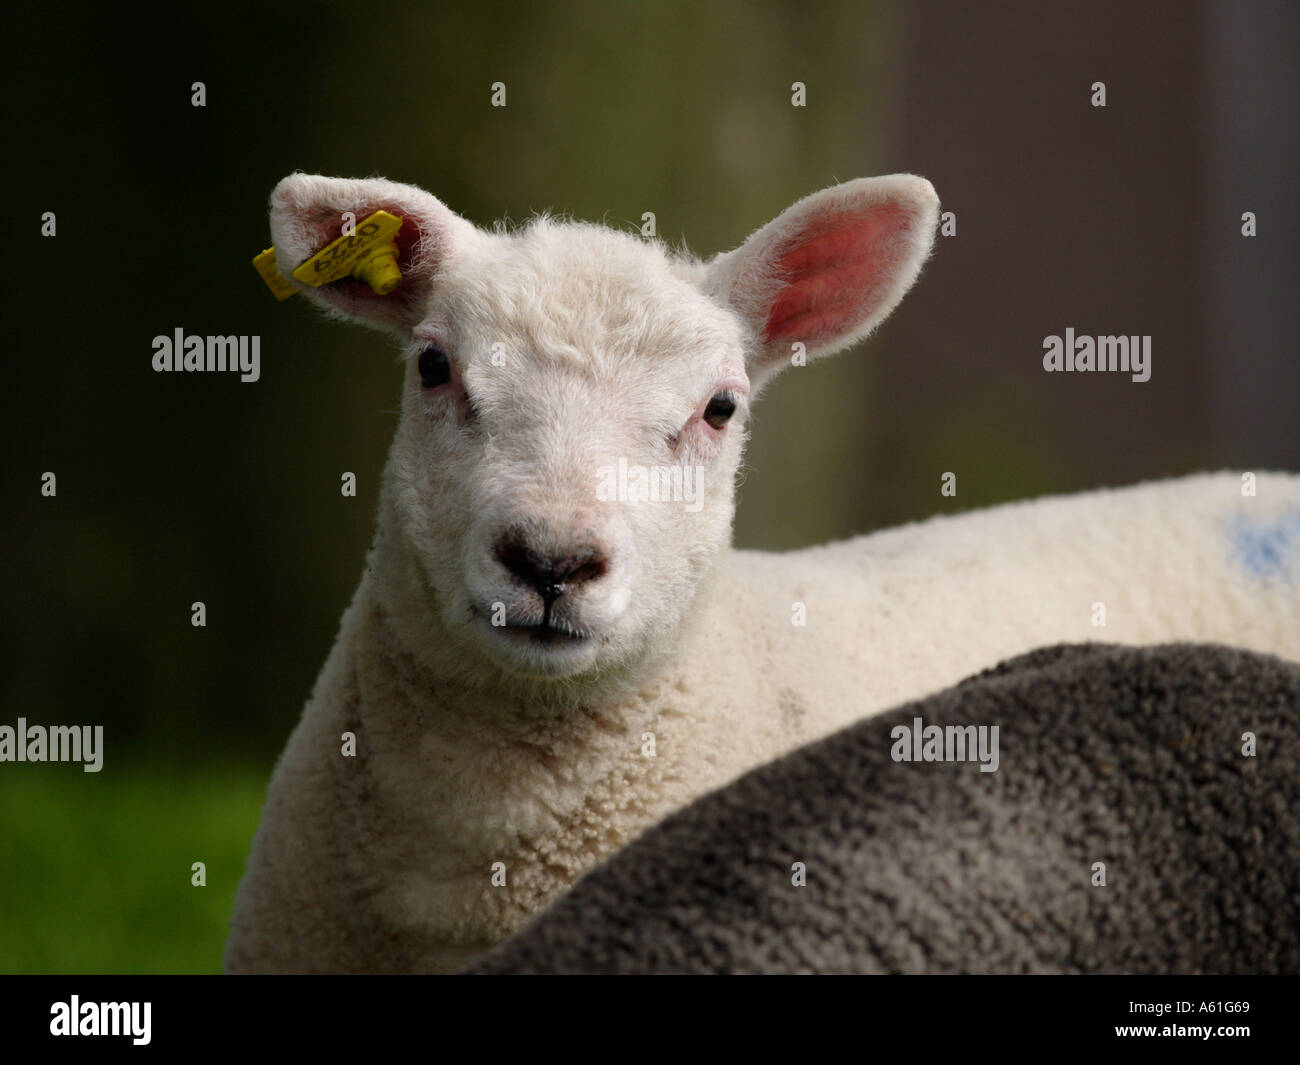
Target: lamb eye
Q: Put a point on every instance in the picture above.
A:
(720, 409)
(435, 367)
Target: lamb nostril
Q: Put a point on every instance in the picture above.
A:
(530, 567)
(551, 577)
(581, 568)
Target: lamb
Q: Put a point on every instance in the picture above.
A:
(542, 660)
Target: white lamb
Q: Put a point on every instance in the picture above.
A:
(535, 672)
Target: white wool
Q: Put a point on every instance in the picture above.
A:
(492, 769)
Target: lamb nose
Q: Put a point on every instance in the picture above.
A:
(550, 576)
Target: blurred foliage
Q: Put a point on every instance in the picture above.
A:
(95, 867)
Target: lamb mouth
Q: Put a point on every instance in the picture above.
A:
(546, 631)
(546, 634)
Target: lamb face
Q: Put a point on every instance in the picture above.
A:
(564, 467)
(574, 404)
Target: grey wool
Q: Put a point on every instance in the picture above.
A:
(1129, 757)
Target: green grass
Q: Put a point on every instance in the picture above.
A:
(95, 868)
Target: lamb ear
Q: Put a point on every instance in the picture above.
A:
(829, 269)
(307, 213)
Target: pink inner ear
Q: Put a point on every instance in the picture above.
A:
(836, 272)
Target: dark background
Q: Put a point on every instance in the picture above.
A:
(177, 488)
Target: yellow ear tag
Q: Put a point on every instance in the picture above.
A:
(265, 265)
(369, 255)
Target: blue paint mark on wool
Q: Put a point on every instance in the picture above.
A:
(1268, 549)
